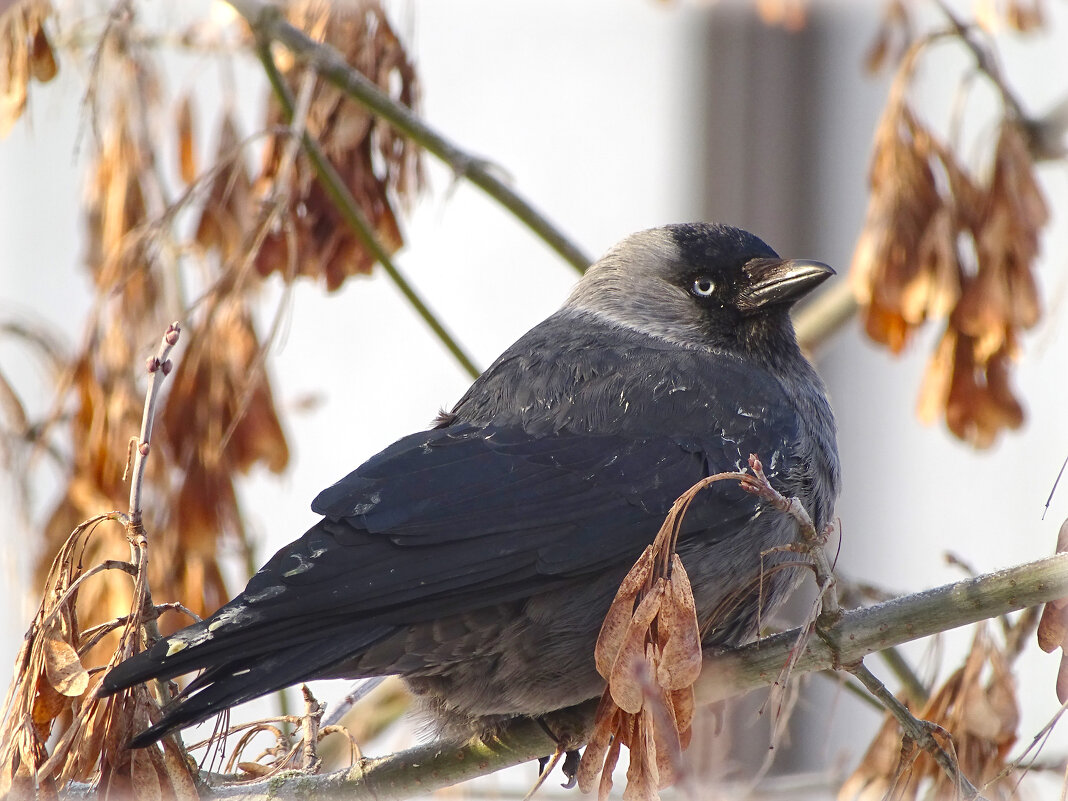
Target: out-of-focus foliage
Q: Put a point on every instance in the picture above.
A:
(947, 243)
(189, 241)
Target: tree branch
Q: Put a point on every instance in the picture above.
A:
(817, 321)
(856, 634)
(269, 25)
(919, 731)
(869, 629)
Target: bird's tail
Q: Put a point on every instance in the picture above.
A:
(231, 677)
(219, 688)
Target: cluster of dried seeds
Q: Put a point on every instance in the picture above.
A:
(649, 652)
(26, 53)
(940, 244)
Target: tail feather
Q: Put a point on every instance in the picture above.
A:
(236, 677)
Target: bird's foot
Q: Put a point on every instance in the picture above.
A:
(570, 768)
(571, 755)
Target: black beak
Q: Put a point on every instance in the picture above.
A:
(774, 282)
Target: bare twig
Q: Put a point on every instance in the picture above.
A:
(268, 25)
(158, 368)
(313, 716)
(108, 564)
(546, 770)
(914, 689)
(360, 690)
(918, 731)
(91, 636)
(143, 610)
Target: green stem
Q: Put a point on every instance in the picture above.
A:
(353, 215)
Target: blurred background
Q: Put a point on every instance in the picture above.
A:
(610, 116)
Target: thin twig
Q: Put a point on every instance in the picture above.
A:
(143, 610)
(91, 636)
(546, 771)
(919, 731)
(844, 682)
(60, 605)
(313, 716)
(359, 691)
(911, 684)
(268, 24)
(350, 211)
(158, 368)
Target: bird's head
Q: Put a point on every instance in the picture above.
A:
(698, 285)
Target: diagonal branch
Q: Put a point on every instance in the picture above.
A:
(918, 731)
(269, 25)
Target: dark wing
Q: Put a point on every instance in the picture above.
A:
(454, 519)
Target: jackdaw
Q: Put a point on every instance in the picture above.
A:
(477, 559)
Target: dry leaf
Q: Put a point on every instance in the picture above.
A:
(624, 682)
(680, 643)
(64, 669)
(617, 620)
(25, 52)
(187, 156)
(48, 704)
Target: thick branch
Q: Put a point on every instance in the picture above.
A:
(415, 772)
(857, 633)
(268, 24)
(864, 631)
(828, 312)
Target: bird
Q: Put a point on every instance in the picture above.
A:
(478, 558)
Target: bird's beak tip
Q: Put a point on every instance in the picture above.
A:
(776, 281)
(808, 267)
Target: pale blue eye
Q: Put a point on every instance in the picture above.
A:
(703, 287)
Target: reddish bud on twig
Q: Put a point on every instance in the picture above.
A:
(166, 367)
(152, 364)
(174, 330)
(143, 449)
